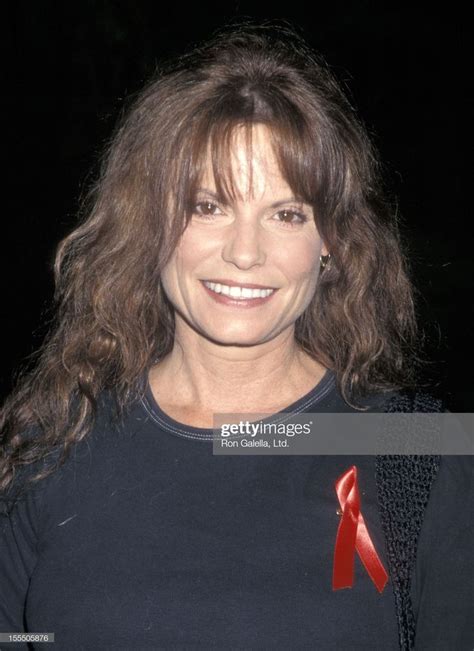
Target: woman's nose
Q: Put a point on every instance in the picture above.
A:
(244, 244)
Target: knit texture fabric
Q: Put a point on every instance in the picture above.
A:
(403, 488)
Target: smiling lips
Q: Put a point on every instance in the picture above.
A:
(237, 294)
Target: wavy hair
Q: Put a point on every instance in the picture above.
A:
(112, 319)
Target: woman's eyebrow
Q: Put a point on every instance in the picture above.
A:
(275, 204)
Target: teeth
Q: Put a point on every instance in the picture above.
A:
(238, 292)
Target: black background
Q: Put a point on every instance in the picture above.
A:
(71, 67)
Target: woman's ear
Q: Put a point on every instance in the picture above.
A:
(324, 250)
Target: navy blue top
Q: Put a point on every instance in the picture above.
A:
(144, 539)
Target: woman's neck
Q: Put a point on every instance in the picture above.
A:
(203, 377)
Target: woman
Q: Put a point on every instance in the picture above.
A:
(238, 255)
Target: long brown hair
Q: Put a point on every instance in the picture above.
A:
(112, 318)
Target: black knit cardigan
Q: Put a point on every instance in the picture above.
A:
(403, 488)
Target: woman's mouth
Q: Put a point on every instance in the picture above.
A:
(238, 296)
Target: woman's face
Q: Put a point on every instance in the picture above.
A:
(263, 238)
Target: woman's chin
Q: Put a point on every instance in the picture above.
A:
(233, 338)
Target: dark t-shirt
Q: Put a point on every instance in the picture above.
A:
(145, 539)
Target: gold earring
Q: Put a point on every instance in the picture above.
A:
(324, 259)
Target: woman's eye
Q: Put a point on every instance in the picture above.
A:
(288, 217)
(292, 217)
(206, 209)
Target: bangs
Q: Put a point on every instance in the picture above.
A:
(211, 142)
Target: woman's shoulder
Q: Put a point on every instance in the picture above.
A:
(414, 401)
(404, 400)
(54, 465)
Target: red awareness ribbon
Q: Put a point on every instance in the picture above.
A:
(352, 535)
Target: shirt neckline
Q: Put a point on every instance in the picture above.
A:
(174, 427)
